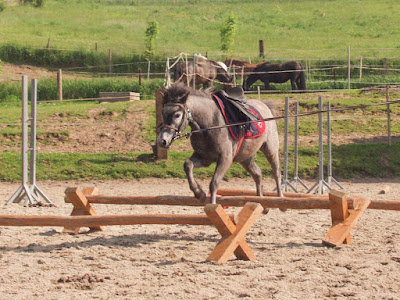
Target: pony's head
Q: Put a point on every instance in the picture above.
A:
(175, 113)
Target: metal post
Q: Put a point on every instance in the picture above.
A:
(31, 193)
(329, 133)
(35, 191)
(23, 190)
(321, 182)
(259, 92)
(285, 181)
(296, 148)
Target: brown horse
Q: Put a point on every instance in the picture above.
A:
(278, 73)
(205, 73)
(184, 107)
(240, 64)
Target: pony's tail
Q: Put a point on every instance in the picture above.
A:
(302, 79)
(271, 105)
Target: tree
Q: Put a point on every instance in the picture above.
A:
(228, 32)
(151, 35)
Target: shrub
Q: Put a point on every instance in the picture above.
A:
(34, 3)
(2, 6)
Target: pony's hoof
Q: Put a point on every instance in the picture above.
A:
(201, 196)
(265, 211)
(283, 209)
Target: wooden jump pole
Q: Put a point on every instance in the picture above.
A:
(241, 192)
(234, 201)
(375, 204)
(94, 221)
(237, 198)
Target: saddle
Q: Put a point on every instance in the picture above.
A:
(235, 105)
(232, 104)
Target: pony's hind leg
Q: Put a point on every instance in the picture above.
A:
(271, 152)
(255, 172)
(195, 161)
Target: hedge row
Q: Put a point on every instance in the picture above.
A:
(81, 89)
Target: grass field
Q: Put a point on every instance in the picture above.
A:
(350, 160)
(308, 30)
(290, 29)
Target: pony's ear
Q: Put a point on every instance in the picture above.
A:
(184, 98)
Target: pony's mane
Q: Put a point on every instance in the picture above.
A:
(178, 90)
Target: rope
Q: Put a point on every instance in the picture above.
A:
(189, 134)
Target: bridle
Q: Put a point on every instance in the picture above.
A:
(187, 116)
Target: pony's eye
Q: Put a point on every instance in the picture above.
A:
(177, 115)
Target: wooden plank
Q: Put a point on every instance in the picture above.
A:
(118, 96)
(98, 221)
(227, 246)
(338, 233)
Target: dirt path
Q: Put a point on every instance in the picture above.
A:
(168, 262)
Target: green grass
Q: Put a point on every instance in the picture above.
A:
(369, 120)
(290, 29)
(350, 161)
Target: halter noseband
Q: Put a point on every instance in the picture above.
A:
(187, 115)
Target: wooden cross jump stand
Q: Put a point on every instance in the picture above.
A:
(343, 218)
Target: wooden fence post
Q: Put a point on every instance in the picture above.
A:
(59, 83)
(140, 77)
(349, 67)
(161, 153)
(389, 123)
(261, 46)
(109, 61)
(148, 70)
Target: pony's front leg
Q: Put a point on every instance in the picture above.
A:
(195, 162)
(223, 164)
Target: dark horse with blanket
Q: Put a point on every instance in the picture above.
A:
(205, 72)
(278, 73)
(183, 106)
